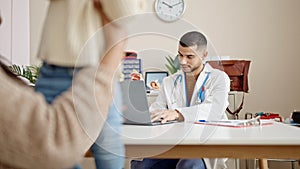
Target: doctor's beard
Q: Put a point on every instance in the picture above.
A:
(189, 69)
(186, 68)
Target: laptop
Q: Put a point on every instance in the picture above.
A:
(136, 104)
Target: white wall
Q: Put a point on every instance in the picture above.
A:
(5, 28)
(265, 32)
(20, 32)
(15, 31)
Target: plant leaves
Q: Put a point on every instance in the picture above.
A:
(171, 69)
(173, 64)
(29, 72)
(170, 60)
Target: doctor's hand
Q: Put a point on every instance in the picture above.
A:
(166, 115)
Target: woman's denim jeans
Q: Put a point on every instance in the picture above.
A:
(108, 150)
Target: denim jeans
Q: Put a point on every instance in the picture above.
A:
(108, 150)
(148, 163)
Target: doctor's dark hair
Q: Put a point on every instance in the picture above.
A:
(193, 38)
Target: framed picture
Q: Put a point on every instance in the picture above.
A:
(153, 80)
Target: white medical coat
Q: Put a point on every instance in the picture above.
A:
(172, 95)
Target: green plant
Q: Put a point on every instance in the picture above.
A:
(173, 64)
(29, 72)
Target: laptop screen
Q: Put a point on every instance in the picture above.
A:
(153, 80)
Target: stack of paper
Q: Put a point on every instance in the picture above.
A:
(236, 123)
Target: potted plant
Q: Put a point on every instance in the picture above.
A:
(173, 64)
(29, 72)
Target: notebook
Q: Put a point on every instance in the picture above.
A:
(237, 123)
(136, 109)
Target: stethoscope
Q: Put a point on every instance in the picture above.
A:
(201, 93)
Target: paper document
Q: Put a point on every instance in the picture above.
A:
(236, 123)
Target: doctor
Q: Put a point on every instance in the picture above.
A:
(198, 91)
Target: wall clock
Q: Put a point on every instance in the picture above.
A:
(169, 10)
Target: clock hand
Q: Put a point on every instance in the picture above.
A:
(166, 4)
(176, 4)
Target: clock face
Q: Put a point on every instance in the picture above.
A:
(169, 10)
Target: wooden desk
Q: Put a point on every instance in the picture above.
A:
(188, 140)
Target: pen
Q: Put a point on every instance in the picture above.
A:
(202, 121)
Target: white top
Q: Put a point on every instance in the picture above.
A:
(71, 23)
